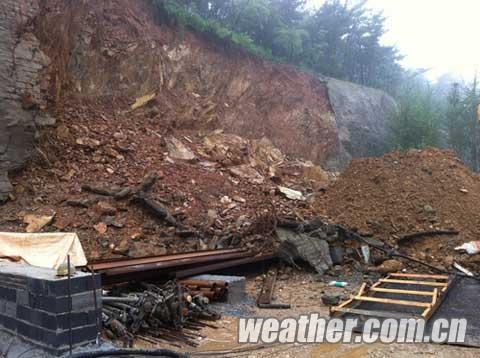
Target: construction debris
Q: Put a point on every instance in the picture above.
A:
(266, 296)
(168, 313)
(174, 266)
(213, 290)
(311, 249)
(398, 295)
(472, 247)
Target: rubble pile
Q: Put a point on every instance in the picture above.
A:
(215, 189)
(406, 193)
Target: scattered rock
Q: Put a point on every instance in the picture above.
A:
(104, 209)
(88, 143)
(264, 153)
(316, 175)
(226, 200)
(331, 300)
(141, 249)
(62, 222)
(35, 223)
(389, 266)
(101, 228)
(291, 194)
(239, 199)
(142, 101)
(312, 250)
(177, 150)
(245, 171)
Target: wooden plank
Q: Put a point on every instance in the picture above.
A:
(382, 314)
(346, 303)
(411, 275)
(420, 283)
(435, 303)
(362, 289)
(405, 292)
(393, 302)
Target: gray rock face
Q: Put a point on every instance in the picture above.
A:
(21, 62)
(362, 116)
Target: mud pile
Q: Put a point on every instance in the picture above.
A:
(221, 189)
(406, 193)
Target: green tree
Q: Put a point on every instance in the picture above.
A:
(418, 120)
(338, 40)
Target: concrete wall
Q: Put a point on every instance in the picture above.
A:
(21, 91)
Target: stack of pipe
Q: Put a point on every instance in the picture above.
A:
(173, 266)
(213, 290)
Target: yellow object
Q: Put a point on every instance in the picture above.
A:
(141, 101)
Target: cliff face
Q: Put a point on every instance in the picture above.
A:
(112, 54)
(21, 62)
(362, 116)
(116, 49)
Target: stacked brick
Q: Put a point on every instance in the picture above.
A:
(35, 306)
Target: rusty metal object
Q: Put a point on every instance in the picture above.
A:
(204, 283)
(266, 294)
(115, 263)
(275, 306)
(154, 313)
(162, 267)
(213, 290)
(225, 265)
(265, 297)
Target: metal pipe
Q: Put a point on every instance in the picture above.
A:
(106, 299)
(204, 283)
(173, 263)
(115, 263)
(223, 265)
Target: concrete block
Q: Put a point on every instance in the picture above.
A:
(8, 294)
(8, 323)
(11, 309)
(36, 306)
(23, 298)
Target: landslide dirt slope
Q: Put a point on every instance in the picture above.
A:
(115, 50)
(405, 193)
(130, 96)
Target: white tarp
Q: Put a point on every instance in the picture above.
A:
(43, 250)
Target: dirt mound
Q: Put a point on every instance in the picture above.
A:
(221, 189)
(405, 193)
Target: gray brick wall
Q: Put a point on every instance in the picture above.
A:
(35, 306)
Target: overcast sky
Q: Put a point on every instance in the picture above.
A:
(443, 35)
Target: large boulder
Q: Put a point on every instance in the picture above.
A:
(362, 116)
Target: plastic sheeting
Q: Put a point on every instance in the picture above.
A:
(43, 250)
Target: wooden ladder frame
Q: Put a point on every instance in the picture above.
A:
(439, 284)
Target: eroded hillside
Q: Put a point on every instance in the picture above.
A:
(123, 96)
